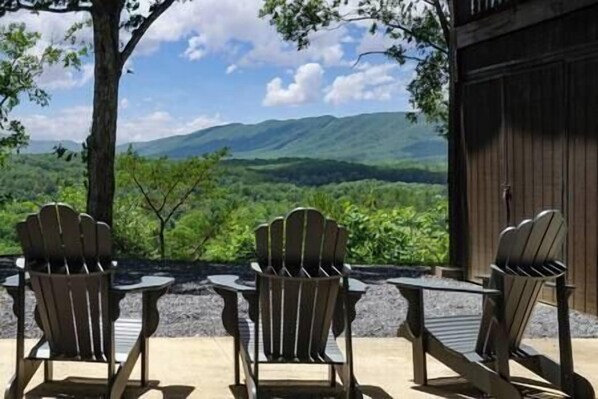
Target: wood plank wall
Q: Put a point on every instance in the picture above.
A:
(530, 123)
(484, 173)
(583, 182)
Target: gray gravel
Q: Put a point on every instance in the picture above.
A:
(192, 309)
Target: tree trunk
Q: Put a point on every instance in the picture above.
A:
(102, 140)
(162, 241)
(457, 183)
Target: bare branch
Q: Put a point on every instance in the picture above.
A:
(138, 33)
(183, 199)
(384, 52)
(146, 196)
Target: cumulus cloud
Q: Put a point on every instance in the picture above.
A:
(377, 82)
(305, 88)
(232, 28)
(160, 124)
(73, 123)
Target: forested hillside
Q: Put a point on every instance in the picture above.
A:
(360, 138)
(396, 214)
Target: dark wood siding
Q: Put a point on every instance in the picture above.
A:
(583, 182)
(482, 122)
(535, 137)
(530, 124)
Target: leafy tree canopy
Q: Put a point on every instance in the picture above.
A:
(419, 33)
(20, 67)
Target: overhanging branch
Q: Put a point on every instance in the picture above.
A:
(386, 53)
(138, 33)
(17, 5)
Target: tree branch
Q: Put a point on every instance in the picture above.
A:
(19, 5)
(138, 33)
(146, 196)
(444, 23)
(384, 52)
(186, 195)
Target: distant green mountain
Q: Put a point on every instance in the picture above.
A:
(362, 138)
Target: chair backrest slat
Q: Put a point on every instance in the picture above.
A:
(63, 251)
(314, 234)
(301, 258)
(71, 238)
(277, 244)
(64, 309)
(527, 257)
(79, 290)
(94, 288)
(293, 247)
(289, 320)
(50, 229)
(262, 245)
(305, 319)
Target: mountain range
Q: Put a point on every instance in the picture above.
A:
(362, 138)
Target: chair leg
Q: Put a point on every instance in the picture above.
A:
(25, 371)
(420, 367)
(332, 375)
(144, 362)
(118, 383)
(48, 371)
(237, 350)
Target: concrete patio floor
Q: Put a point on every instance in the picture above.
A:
(202, 368)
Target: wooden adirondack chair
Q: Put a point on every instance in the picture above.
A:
(479, 347)
(302, 300)
(68, 265)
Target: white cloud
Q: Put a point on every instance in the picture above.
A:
(370, 83)
(305, 88)
(162, 124)
(124, 103)
(56, 77)
(231, 68)
(73, 123)
(196, 48)
(232, 28)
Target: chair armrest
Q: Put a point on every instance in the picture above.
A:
(228, 286)
(152, 288)
(12, 282)
(419, 284)
(147, 283)
(229, 282)
(357, 287)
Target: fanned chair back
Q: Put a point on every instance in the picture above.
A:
(527, 257)
(301, 261)
(68, 257)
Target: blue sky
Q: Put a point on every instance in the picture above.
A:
(211, 62)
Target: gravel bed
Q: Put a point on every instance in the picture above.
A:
(192, 309)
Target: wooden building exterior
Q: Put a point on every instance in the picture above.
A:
(527, 95)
